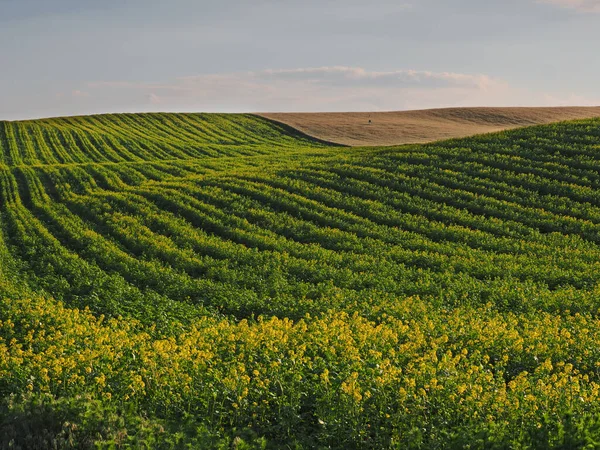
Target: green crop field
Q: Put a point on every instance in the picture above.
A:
(223, 281)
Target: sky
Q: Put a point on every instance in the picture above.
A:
(70, 57)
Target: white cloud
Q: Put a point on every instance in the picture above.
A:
(342, 75)
(578, 5)
(330, 88)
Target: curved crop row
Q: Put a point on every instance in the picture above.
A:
(143, 137)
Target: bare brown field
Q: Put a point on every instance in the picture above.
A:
(410, 127)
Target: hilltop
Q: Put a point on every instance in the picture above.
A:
(420, 126)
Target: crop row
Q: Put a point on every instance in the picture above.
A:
(142, 137)
(172, 280)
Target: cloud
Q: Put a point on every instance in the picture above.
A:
(329, 88)
(578, 5)
(353, 76)
(153, 98)
(79, 93)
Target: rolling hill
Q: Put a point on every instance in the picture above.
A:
(420, 126)
(172, 280)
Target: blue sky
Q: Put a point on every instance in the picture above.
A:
(64, 57)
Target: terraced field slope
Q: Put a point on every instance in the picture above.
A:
(420, 126)
(205, 280)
